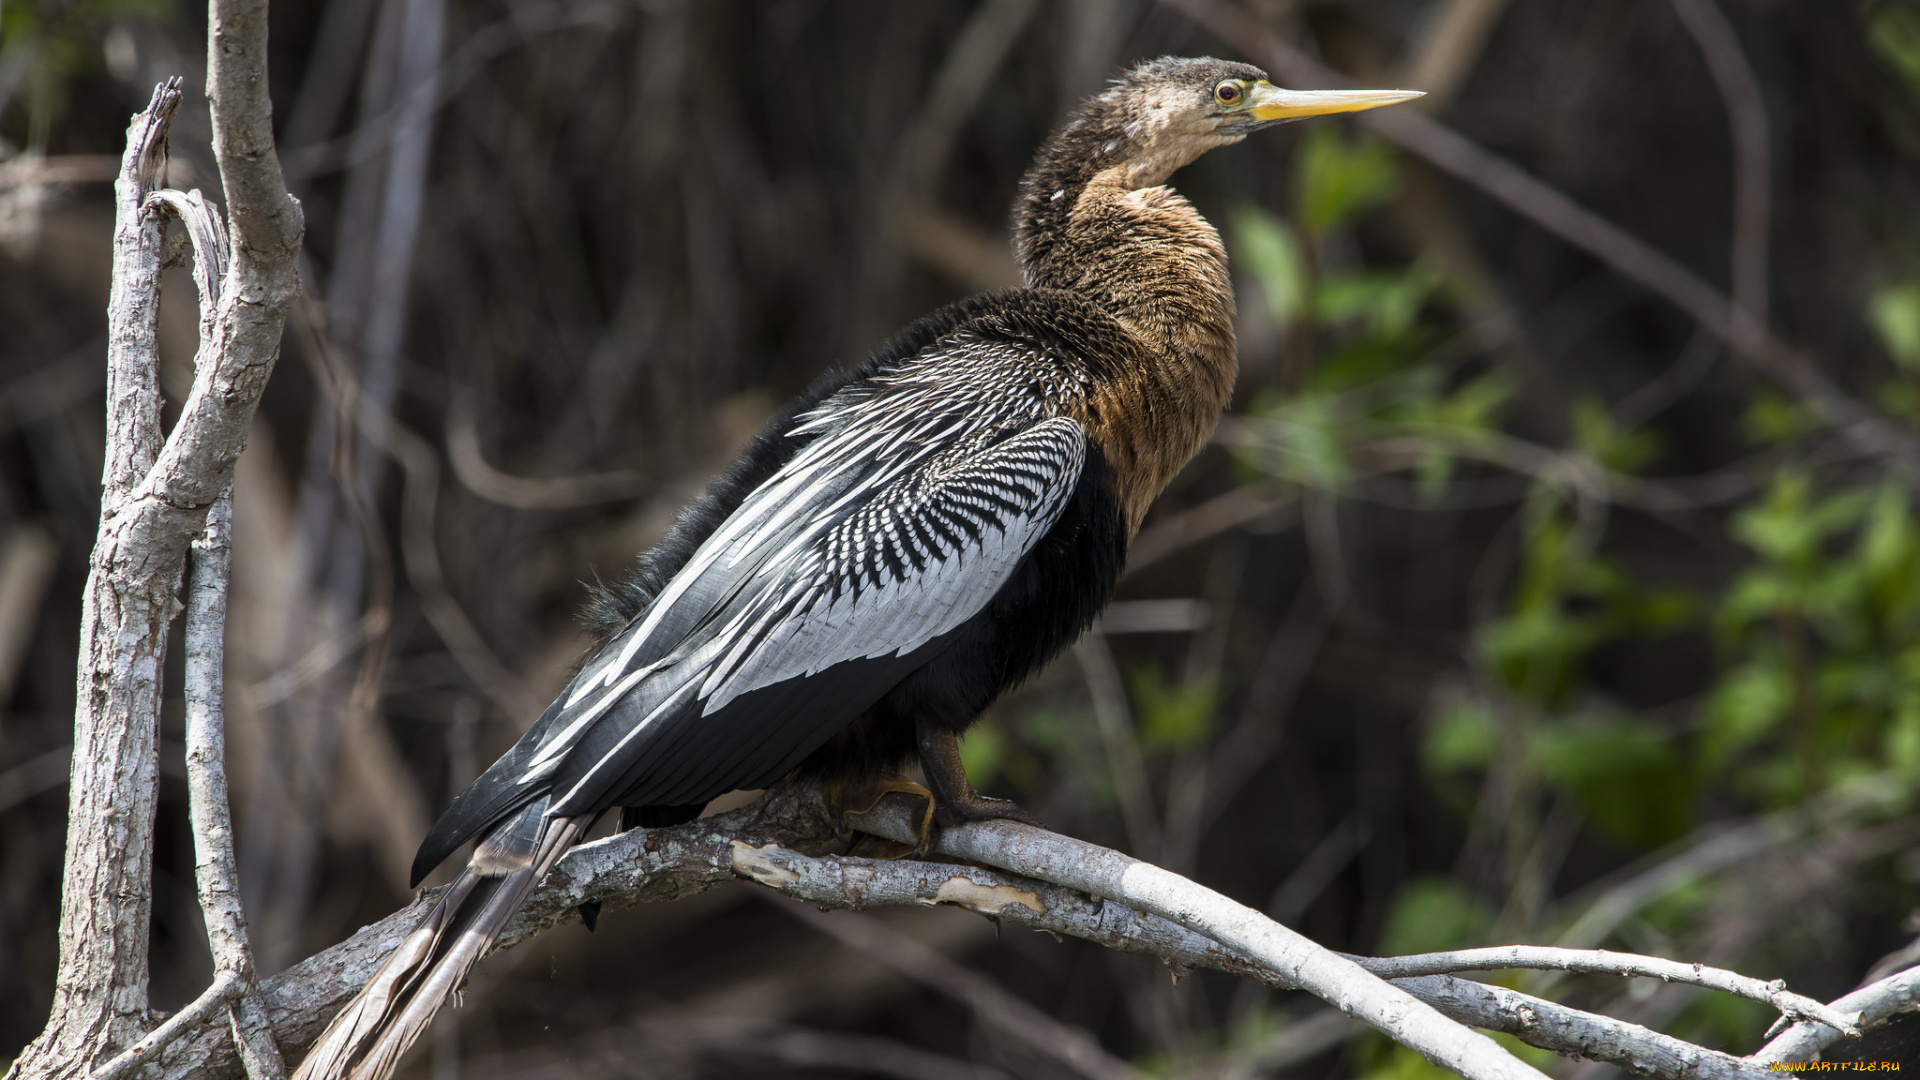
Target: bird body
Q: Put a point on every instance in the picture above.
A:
(899, 547)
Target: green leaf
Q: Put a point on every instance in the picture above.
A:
(1895, 35)
(1432, 914)
(1894, 311)
(1336, 180)
(1308, 442)
(1265, 244)
(1462, 737)
(1624, 773)
(1387, 301)
(1744, 706)
(982, 751)
(1772, 418)
(1617, 448)
(1172, 717)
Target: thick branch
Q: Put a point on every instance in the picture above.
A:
(154, 504)
(100, 988)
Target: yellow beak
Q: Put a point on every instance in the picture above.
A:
(1268, 102)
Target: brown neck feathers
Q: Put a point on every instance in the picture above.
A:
(1146, 257)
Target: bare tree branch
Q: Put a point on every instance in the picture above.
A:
(1108, 874)
(100, 995)
(208, 805)
(1576, 1033)
(1604, 962)
(763, 843)
(154, 504)
(1752, 149)
(1876, 1003)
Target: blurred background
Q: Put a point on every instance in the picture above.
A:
(1506, 607)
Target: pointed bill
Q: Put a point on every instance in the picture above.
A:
(1268, 102)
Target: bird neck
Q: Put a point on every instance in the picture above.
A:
(1146, 257)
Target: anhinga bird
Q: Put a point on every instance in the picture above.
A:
(906, 542)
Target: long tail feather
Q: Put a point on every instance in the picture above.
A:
(367, 1038)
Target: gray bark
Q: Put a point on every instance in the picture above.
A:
(154, 504)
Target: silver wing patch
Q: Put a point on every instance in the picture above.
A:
(912, 564)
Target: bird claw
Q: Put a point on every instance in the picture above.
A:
(974, 806)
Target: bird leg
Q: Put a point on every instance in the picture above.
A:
(955, 800)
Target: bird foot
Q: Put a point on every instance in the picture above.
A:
(974, 806)
(850, 801)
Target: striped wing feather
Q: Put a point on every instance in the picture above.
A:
(910, 507)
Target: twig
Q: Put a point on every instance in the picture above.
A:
(1747, 122)
(208, 806)
(1874, 1004)
(1176, 532)
(1129, 772)
(1577, 1033)
(1550, 209)
(1604, 962)
(479, 476)
(227, 985)
(1448, 47)
(1070, 1046)
(419, 549)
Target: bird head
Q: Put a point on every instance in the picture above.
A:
(1164, 113)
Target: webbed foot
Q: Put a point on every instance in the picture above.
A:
(849, 800)
(955, 800)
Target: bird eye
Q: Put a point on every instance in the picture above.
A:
(1228, 93)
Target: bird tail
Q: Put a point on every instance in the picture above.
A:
(367, 1038)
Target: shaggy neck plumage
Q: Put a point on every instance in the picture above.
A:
(1093, 220)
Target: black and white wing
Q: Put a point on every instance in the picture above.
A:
(910, 507)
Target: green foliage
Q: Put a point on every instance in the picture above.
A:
(1308, 444)
(1894, 312)
(1172, 717)
(1463, 736)
(1432, 914)
(1822, 640)
(1626, 775)
(57, 43)
(1894, 33)
(1771, 418)
(1614, 447)
(1267, 246)
(1337, 178)
(983, 750)
(1068, 741)
(1566, 603)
